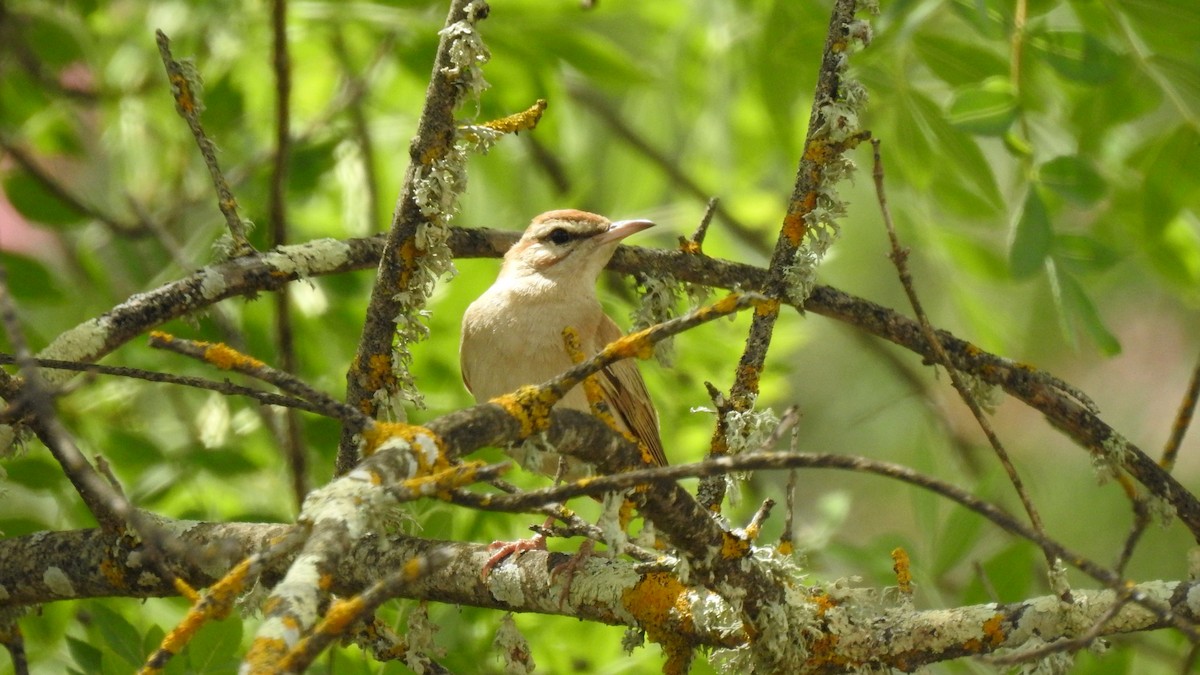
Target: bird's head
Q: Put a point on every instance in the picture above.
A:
(568, 245)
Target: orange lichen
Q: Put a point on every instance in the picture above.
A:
(794, 226)
(522, 121)
(112, 573)
(216, 605)
(734, 547)
(635, 345)
(444, 479)
(264, 655)
(785, 547)
(183, 93)
(688, 246)
(824, 603)
(227, 358)
(530, 407)
(766, 307)
(418, 439)
(748, 375)
(993, 630)
(659, 604)
(900, 564)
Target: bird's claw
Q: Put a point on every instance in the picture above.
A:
(504, 549)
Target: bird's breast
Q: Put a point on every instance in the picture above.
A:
(509, 342)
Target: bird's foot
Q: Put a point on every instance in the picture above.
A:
(571, 567)
(504, 549)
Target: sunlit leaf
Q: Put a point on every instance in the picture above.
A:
(1181, 80)
(1175, 253)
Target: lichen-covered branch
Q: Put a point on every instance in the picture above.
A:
(858, 628)
(415, 253)
(809, 225)
(1067, 408)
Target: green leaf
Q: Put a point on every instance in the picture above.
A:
(1031, 242)
(131, 450)
(1083, 253)
(956, 62)
(119, 635)
(86, 656)
(959, 535)
(957, 154)
(1010, 573)
(1181, 79)
(33, 200)
(987, 109)
(34, 472)
(1077, 56)
(1175, 254)
(974, 256)
(215, 648)
(30, 280)
(1080, 308)
(1074, 178)
(52, 40)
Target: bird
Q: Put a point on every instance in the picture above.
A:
(512, 335)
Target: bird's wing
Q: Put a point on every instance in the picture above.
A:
(626, 395)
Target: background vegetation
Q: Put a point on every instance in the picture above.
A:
(1043, 163)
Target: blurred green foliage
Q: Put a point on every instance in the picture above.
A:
(1048, 185)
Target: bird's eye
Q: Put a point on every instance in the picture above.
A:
(559, 236)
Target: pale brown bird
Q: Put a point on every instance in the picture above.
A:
(512, 334)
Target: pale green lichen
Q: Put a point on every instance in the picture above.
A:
(420, 640)
(436, 188)
(512, 648)
(839, 125)
(659, 301)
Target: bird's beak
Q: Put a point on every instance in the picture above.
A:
(623, 228)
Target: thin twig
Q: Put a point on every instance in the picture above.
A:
(226, 358)
(1058, 646)
(899, 257)
(1183, 419)
(109, 506)
(401, 284)
(342, 616)
(815, 173)
(185, 87)
(355, 86)
(668, 165)
(64, 194)
(14, 642)
(696, 243)
(288, 431)
(1141, 507)
(226, 387)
